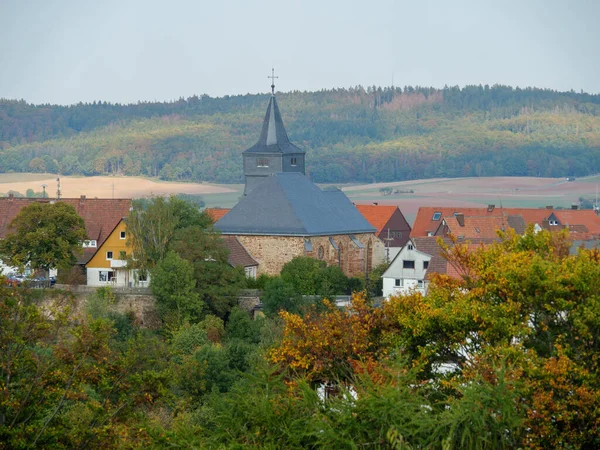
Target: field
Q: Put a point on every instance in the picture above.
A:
(104, 187)
(505, 191)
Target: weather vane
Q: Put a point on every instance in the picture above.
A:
(272, 77)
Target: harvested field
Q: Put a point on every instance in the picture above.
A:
(104, 187)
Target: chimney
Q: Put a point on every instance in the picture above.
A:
(460, 218)
(82, 199)
(10, 196)
(491, 208)
(549, 207)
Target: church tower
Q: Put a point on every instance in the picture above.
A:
(273, 153)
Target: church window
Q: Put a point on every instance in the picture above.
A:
(321, 252)
(294, 162)
(262, 162)
(437, 215)
(408, 264)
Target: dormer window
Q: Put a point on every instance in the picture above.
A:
(262, 162)
(553, 222)
(437, 215)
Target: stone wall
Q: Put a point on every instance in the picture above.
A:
(272, 252)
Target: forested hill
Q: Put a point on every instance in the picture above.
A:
(355, 134)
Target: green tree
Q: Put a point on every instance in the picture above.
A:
(173, 284)
(280, 295)
(44, 235)
(303, 274)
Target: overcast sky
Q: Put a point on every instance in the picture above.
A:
(66, 51)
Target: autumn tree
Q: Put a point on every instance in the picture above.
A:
(44, 235)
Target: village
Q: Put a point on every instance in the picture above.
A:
(284, 215)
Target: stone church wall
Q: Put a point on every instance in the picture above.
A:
(272, 252)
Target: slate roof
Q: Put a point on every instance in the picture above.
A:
(575, 219)
(238, 255)
(377, 215)
(273, 137)
(216, 213)
(289, 204)
(100, 215)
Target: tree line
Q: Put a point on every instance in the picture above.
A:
(357, 134)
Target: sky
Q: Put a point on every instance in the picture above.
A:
(125, 51)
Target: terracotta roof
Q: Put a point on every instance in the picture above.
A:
(216, 213)
(474, 227)
(377, 215)
(238, 255)
(101, 216)
(425, 223)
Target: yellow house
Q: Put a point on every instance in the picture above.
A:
(108, 266)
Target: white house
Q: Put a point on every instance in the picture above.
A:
(406, 272)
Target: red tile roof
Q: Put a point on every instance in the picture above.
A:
(238, 255)
(216, 213)
(101, 216)
(474, 227)
(377, 215)
(425, 224)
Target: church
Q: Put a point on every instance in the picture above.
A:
(283, 214)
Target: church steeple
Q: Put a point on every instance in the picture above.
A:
(273, 153)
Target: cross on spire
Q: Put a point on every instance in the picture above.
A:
(272, 77)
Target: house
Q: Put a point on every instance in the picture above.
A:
(392, 227)
(108, 265)
(284, 215)
(407, 271)
(100, 216)
(239, 256)
(582, 224)
(419, 260)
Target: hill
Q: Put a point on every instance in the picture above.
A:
(350, 135)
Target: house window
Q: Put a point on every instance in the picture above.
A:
(408, 264)
(410, 247)
(104, 275)
(293, 162)
(89, 244)
(420, 284)
(437, 215)
(398, 234)
(109, 255)
(123, 234)
(122, 255)
(142, 276)
(262, 162)
(399, 282)
(425, 265)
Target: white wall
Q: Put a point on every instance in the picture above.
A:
(124, 278)
(410, 277)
